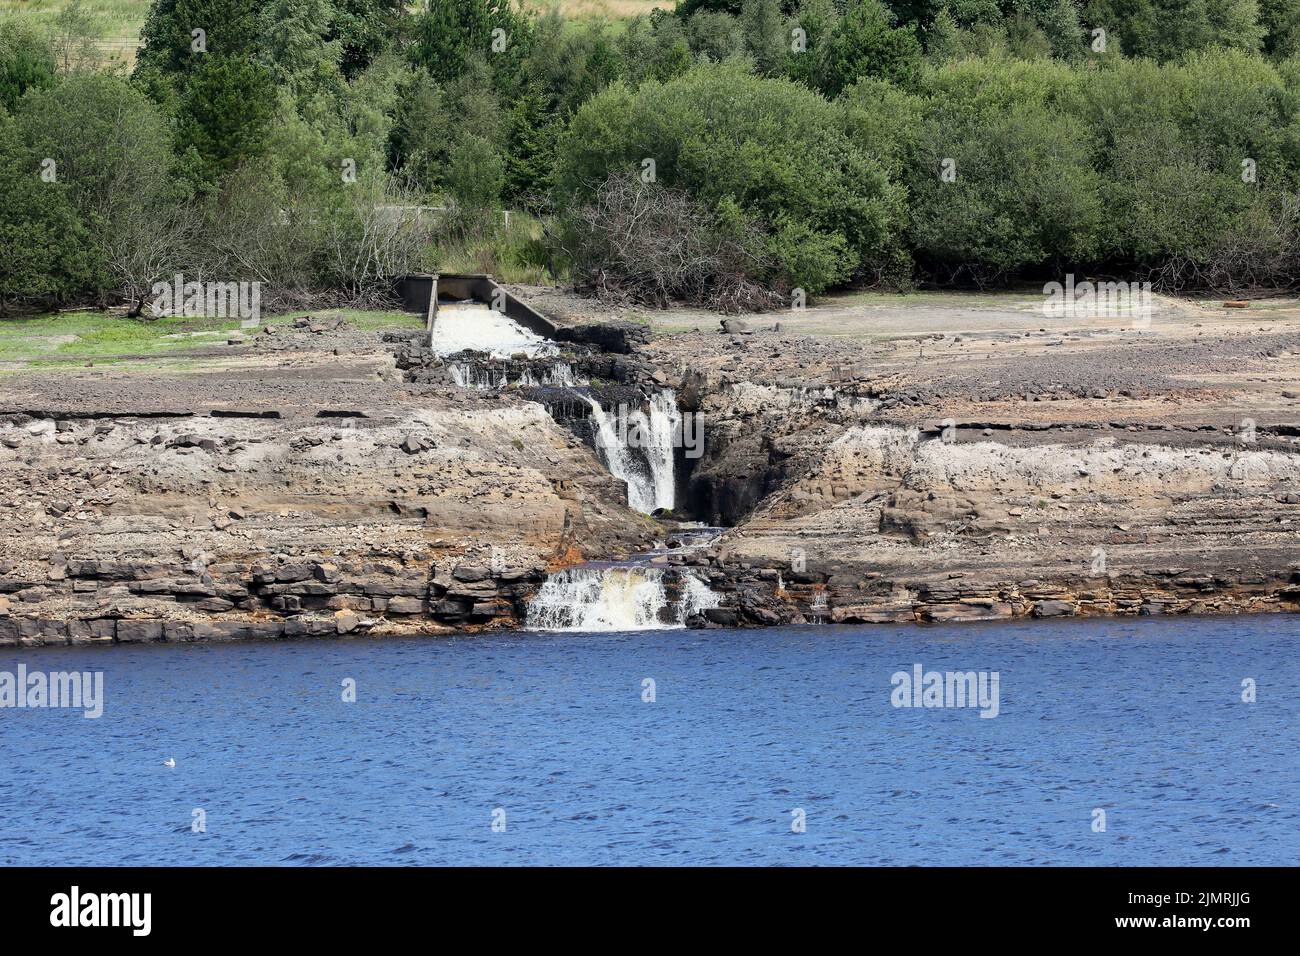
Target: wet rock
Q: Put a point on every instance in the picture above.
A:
(724, 616)
(139, 631)
(1053, 609)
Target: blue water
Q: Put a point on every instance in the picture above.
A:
(1142, 719)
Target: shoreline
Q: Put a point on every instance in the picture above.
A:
(268, 632)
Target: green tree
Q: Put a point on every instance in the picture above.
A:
(364, 29)
(766, 37)
(222, 118)
(26, 61)
(865, 43)
(943, 39)
(450, 33)
(532, 136)
(569, 62)
(1060, 22)
(47, 254)
(180, 35)
(1281, 22)
(654, 47)
(1169, 29)
(295, 50)
(476, 174)
(417, 143)
(714, 36)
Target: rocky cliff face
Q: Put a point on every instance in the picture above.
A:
(861, 492)
(895, 524)
(248, 504)
(311, 484)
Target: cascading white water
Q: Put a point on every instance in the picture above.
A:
(470, 375)
(659, 437)
(556, 375)
(697, 596)
(618, 459)
(651, 476)
(616, 599)
(467, 375)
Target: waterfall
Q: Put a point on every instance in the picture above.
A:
(474, 375)
(557, 375)
(660, 436)
(618, 459)
(561, 375)
(617, 599)
(697, 596)
(641, 451)
(467, 375)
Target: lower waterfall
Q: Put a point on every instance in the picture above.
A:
(468, 376)
(618, 599)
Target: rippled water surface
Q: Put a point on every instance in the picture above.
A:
(1143, 719)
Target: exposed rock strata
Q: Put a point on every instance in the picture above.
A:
(292, 491)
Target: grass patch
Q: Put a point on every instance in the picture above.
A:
(514, 253)
(72, 338)
(116, 24)
(95, 335)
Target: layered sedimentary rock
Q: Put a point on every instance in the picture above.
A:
(305, 483)
(412, 511)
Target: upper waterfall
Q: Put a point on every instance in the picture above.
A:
(639, 447)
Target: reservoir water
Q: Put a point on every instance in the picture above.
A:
(552, 737)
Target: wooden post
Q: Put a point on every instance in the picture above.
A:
(431, 317)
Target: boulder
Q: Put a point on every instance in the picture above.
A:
(1053, 609)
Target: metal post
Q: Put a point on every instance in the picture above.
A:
(431, 317)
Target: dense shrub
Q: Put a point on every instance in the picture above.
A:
(1177, 144)
(26, 61)
(111, 150)
(1024, 195)
(1139, 168)
(774, 148)
(46, 252)
(797, 142)
(866, 43)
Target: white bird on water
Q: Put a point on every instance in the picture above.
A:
(169, 762)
